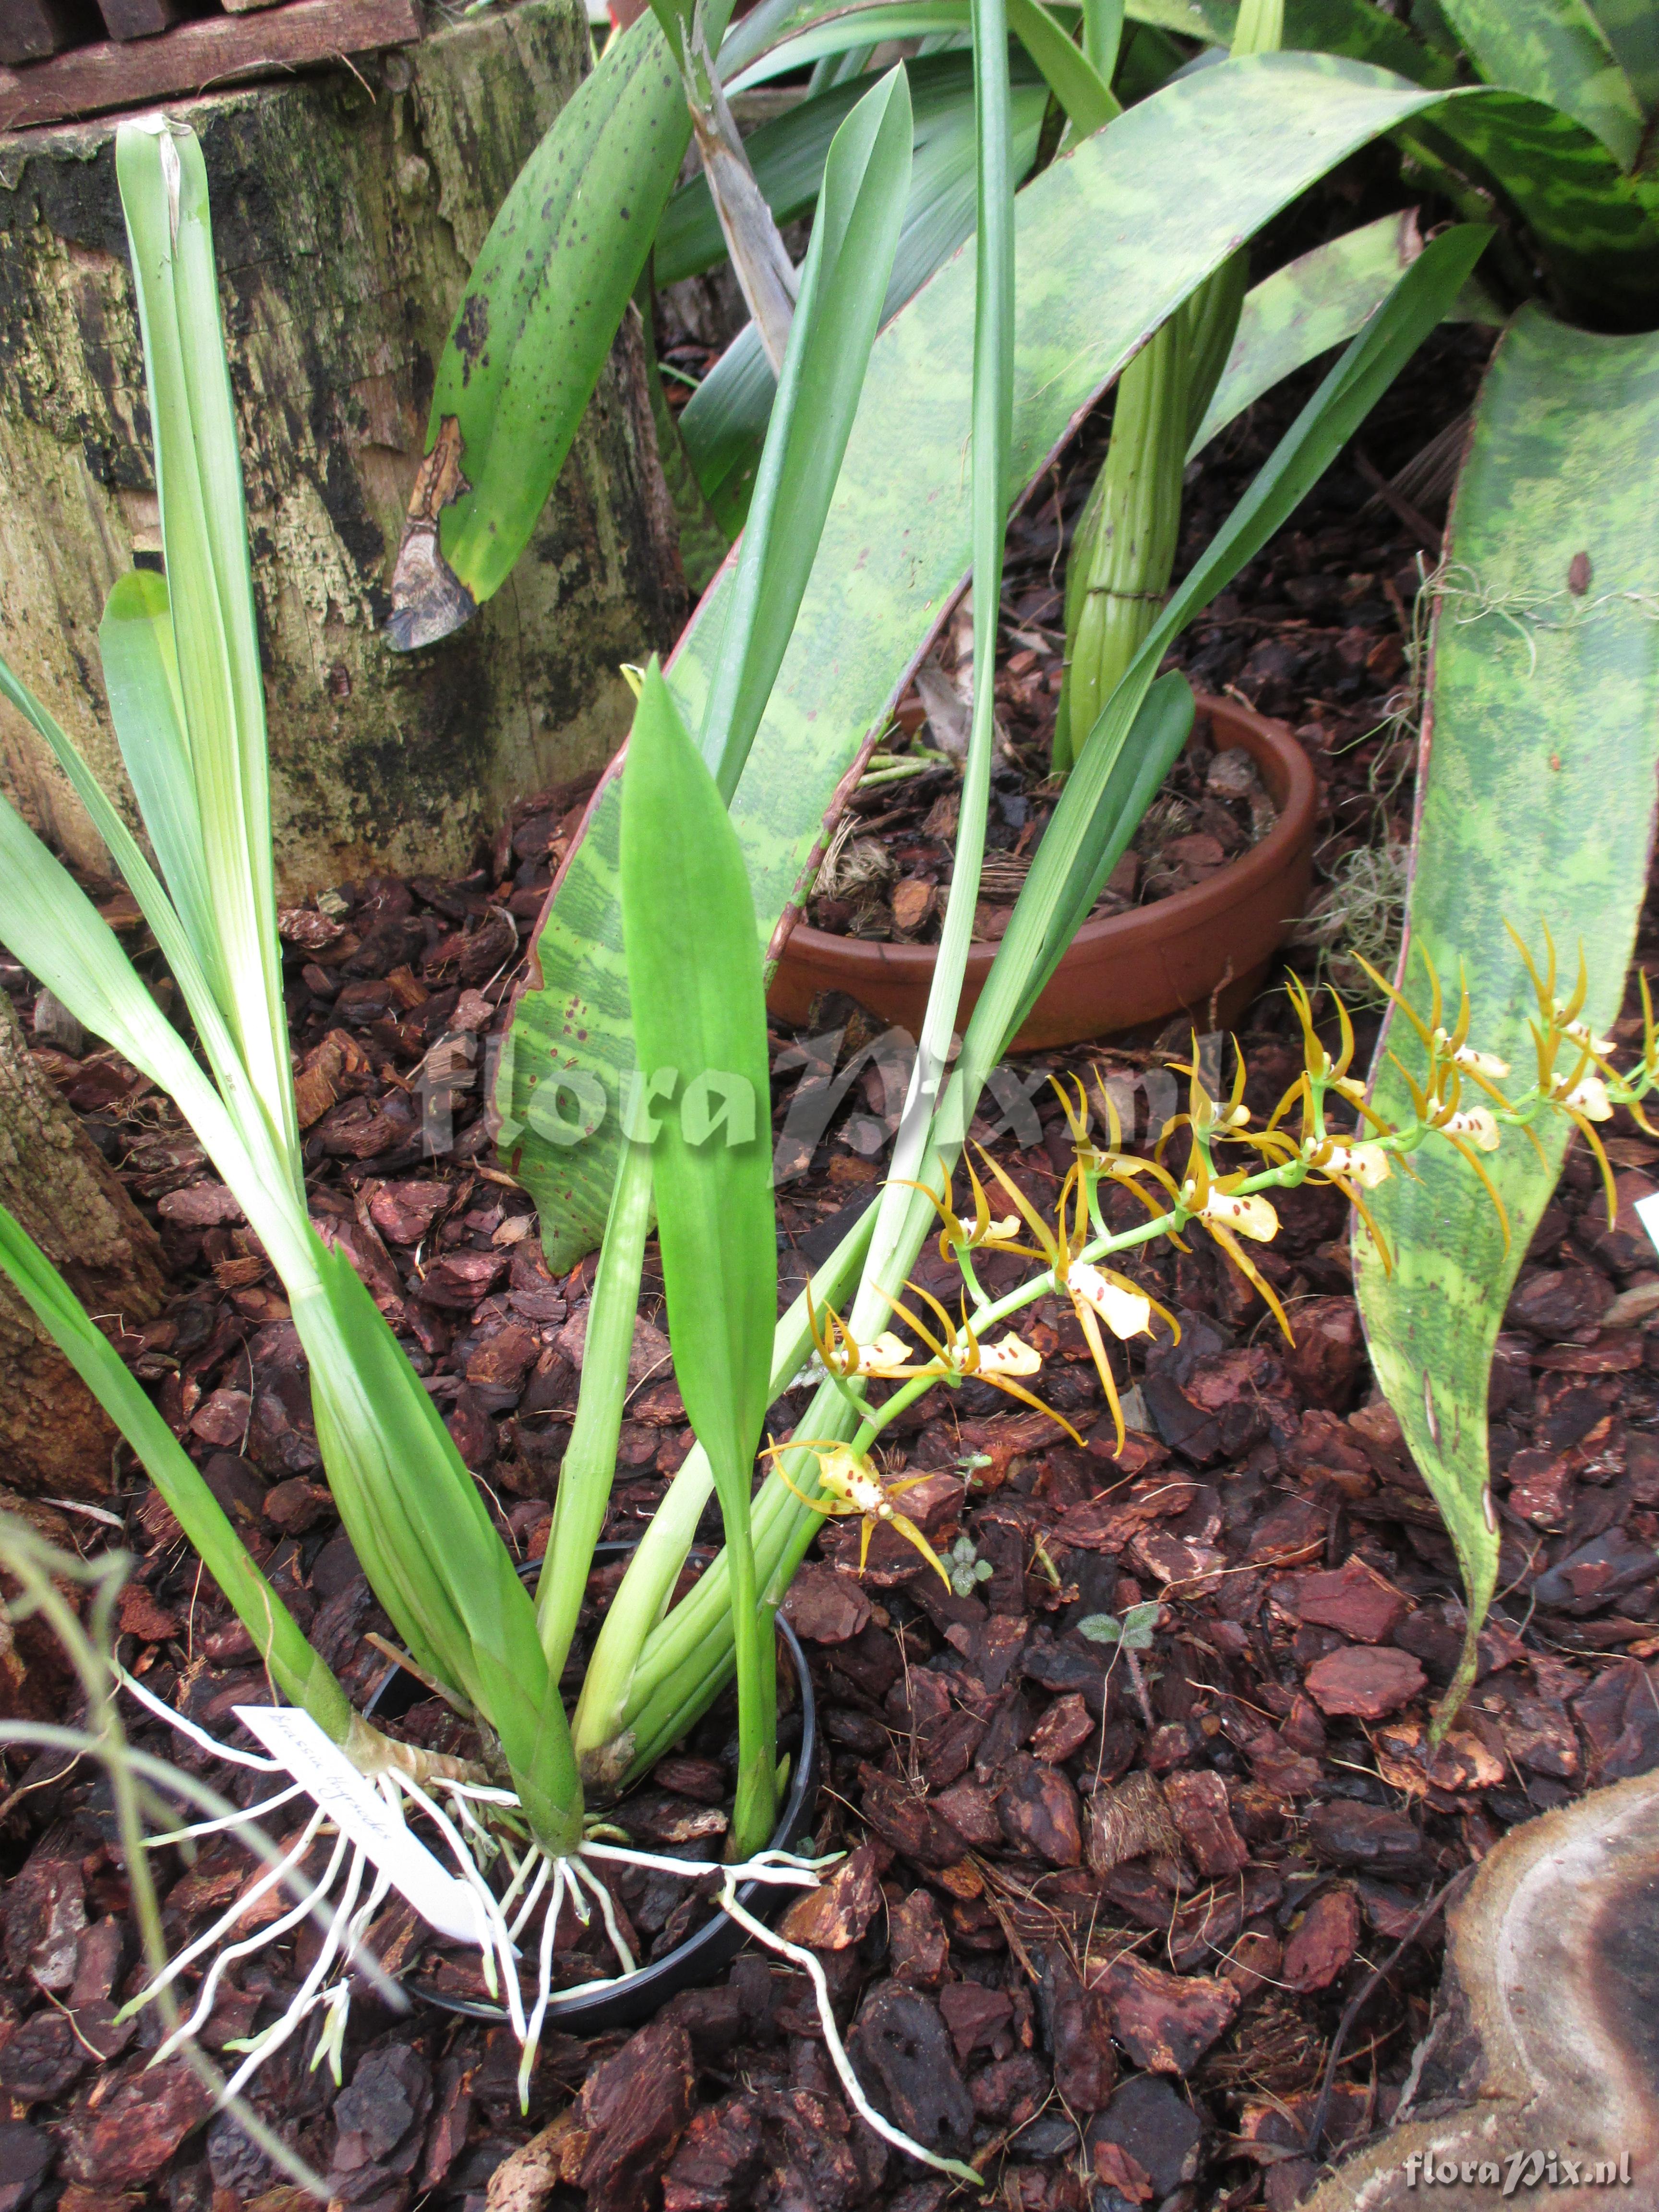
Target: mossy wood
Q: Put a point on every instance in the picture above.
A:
(1535, 811)
(350, 208)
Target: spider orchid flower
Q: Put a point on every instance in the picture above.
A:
(970, 1232)
(1244, 1213)
(959, 1356)
(1476, 1123)
(1471, 1061)
(1587, 1096)
(1367, 1163)
(1014, 1356)
(1061, 1248)
(851, 1488)
(1126, 1311)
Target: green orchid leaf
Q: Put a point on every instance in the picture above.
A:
(1108, 244)
(702, 1105)
(694, 973)
(141, 681)
(843, 282)
(298, 1672)
(724, 422)
(1541, 743)
(204, 534)
(787, 156)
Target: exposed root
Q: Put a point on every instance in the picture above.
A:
(477, 1826)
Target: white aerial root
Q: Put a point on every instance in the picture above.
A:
(537, 1878)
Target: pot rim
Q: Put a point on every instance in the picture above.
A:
(591, 2008)
(1238, 878)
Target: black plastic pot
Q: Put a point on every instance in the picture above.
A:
(717, 1942)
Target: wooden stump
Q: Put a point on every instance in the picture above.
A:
(54, 1436)
(348, 207)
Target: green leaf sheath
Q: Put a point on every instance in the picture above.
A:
(1107, 244)
(298, 1672)
(642, 1600)
(1125, 544)
(199, 478)
(427, 1542)
(704, 1108)
(589, 1466)
(1536, 809)
(843, 282)
(541, 309)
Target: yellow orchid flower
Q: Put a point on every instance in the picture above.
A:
(1126, 1311)
(854, 1486)
(1367, 1163)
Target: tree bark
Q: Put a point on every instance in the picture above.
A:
(348, 207)
(55, 1437)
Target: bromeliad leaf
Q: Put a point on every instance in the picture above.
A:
(1556, 51)
(1545, 711)
(1304, 309)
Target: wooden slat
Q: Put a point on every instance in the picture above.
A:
(140, 19)
(31, 29)
(193, 56)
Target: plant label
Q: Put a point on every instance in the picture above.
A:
(443, 1900)
(1647, 1213)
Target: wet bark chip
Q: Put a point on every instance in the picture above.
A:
(902, 2052)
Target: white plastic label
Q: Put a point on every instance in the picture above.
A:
(443, 1900)
(1647, 1213)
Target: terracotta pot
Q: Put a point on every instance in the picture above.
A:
(1213, 942)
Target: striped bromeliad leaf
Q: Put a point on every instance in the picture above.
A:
(1556, 136)
(1534, 814)
(1108, 244)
